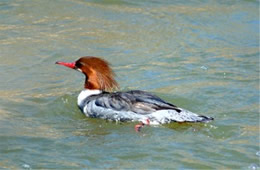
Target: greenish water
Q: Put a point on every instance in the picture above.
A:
(200, 55)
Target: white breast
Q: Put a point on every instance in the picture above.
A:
(86, 93)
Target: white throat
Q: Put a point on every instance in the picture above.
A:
(86, 93)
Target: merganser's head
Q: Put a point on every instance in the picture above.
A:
(99, 75)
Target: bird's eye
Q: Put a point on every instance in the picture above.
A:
(78, 65)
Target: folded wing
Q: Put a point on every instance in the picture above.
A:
(137, 104)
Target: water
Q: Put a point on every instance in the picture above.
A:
(200, 55)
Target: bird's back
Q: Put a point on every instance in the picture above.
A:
(136, 105)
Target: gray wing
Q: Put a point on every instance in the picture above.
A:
(135, 105)
(136, 101)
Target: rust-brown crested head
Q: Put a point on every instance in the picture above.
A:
(98, 73)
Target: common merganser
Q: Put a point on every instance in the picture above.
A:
(97, 99)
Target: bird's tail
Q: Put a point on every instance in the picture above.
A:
(188, 116)
(204, 119)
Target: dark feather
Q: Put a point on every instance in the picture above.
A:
(137, 101)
